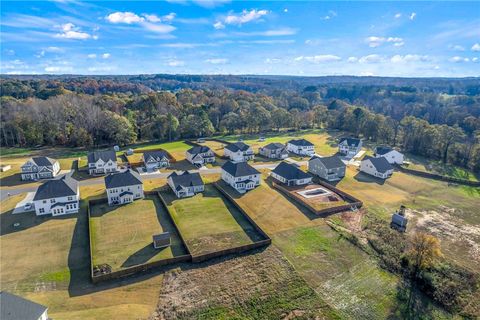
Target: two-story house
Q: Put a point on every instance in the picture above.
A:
(274, 150)
(350, 146)
(200, 155)
(238, 152)
(301, 147)
(392, 155)
(290, 175)
(124, 187)
(102, 162)
(185, 184)
(377, 167)
(328, 168)
(13, 307)
(40, 168)
(240, 175)
(155, 160)
(57, 197)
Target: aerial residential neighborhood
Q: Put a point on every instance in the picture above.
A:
(254, 160)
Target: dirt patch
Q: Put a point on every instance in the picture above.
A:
(453, 231)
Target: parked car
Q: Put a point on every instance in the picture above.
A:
(28, 206)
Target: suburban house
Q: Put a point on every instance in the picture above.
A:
(200, 155)
(185, 184)
(301, 147)
(102, 162)
(57, 197)
(124, 187)
(274, 150)
(40, 168)
(239, 151)
(328, 168)
(392, 155)
(13, 307)
(290, 174)
(240, 175)
(350, 146)
(156, 159)
(377, 167)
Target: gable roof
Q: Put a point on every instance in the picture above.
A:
(290, 171)
(156, 155)
(381, 164)
(62, 187)
(43, 161)
(234, 147)
(198, 149)
(331, 162)
(239, 169)
(300, 142)
(352, 142)
(13, 307)
(274, 146)
(123, 179)
(104, 155)
(381, 150)
(186, 179)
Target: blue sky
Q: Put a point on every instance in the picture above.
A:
(241, 37)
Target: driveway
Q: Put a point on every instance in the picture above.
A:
(20, 207)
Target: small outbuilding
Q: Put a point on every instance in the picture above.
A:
(161, 240)
(399, 221)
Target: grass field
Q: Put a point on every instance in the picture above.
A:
(176, 149)
(122, 235)
(209, 222)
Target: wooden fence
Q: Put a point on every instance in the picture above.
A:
(439, 177)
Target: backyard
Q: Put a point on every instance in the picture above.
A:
(122, 235)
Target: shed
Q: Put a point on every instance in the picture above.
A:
(161, 240)
(129, 152)
(5, 168)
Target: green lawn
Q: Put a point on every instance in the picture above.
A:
(176, 149)
(438, 167)
(122, 235)
(209, 222)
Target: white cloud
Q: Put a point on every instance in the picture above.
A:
(124, 17)
(476, 47)
(92, 56)
(218, 25)
(169, 17)
(272, 60)
(409, 58)
(371, 58)
(158, 28)
(456, 47)
(217, 61)
(101, 69)
(70, 31)
(56, 69)
(352, 59)
(176, 63)
(398, 15)
(458, 59)
(285, 10)
(331, 14)
(412, 16)
(374, 41)
(106, 55)
(244, 17)
(149, 17)
(319, 58)
(475, 59)
(269, 33)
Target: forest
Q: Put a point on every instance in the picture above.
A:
(437, 118)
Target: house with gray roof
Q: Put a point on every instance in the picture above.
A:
(200, 155)
(37, 168)
(102, 162)
(350, 146)
(57, 197)
(393, 156)
(124, 187)
(240, 175)
(155, 160)
(185, 184)
(301, 147)
(238, 152)
(377, 167)
(290, 175)
(274, 150)
(328, 168)
(13, 307)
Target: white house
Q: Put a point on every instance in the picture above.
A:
(301, 147)
(377, 167)
(57, 197)
(200, 155)
(102, 162)
(156, 159)
(274, 150)
(185, 184)
(350, 146)
(290, 175)
(329, 168)
(40, 168)
(13, 307)
(238, 152)
(124, 187)
(240, 175)
(392, 155)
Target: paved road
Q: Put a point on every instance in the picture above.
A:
(5, 193)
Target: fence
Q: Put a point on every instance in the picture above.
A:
(439, 177)
(218, 155)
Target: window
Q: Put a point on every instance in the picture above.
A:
(44, 201)
(52, 200)
(41, 210)
(70, 198)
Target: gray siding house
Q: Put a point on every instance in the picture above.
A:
(274, 150)
(328, 168)
(40, 168)
(186, 184)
